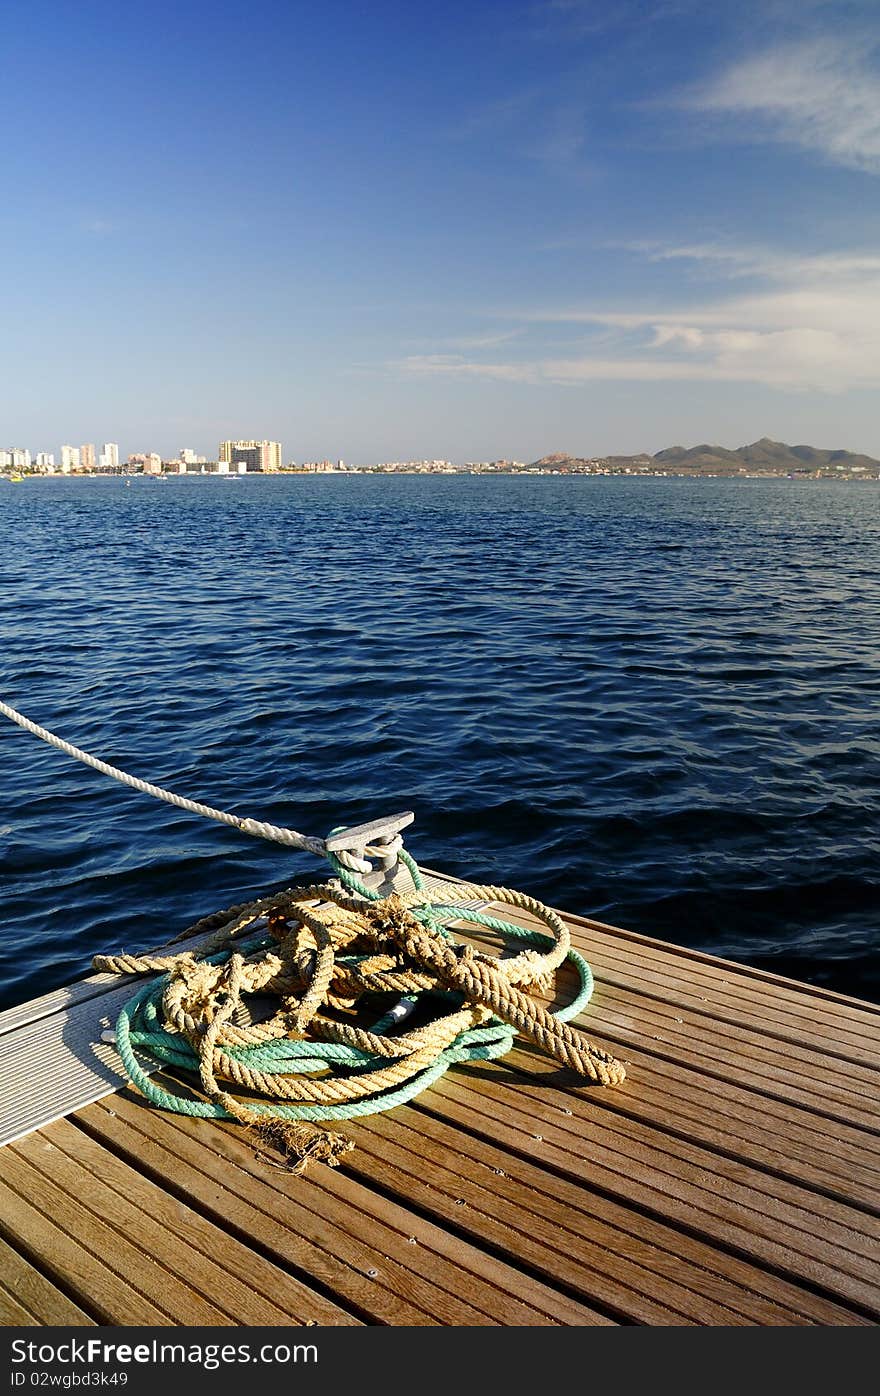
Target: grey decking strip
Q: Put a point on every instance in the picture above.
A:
(63, 1000)
(57, 1064)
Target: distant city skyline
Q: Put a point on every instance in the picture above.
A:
(492, 228)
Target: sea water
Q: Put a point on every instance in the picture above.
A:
(650, 701)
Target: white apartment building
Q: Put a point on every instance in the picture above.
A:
(110, 454)
(69, 459)
(257, 455)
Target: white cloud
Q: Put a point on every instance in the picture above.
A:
(484, 341)
(761, 262)
(822, 95)
(815, 326)
(437, 364)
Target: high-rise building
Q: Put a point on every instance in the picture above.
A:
(254, 455)
(45, 460)
(21, 459)
(87, 457)
(111, 455)
(69, 459)
(153, 464)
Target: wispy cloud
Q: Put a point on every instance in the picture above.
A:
(760, 262)
(433, 365)
(483, 341)
(820, 94)
(814, 325)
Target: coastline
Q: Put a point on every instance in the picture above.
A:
(832, 477)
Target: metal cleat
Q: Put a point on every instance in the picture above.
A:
(380, 841)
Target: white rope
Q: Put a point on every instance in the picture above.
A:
(255, 827)
(386, 852)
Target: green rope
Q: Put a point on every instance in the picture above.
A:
(139, 1030)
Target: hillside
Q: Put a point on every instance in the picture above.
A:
(764, 456)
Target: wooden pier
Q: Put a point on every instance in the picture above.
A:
(733, 1179)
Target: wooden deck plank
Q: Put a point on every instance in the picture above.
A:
(36, 1295)
(790, 1019)
(656, 1182)
(383, 1171)
(384, 1180)
(626, 1018)
(538, 1093)
(12, 1313)
(203, 1256)
(41, 1300)
(844, 1225)
(594, 1278)
(340, 1233)
(291, 1234)
(686, 1100)
(682, 1103)
(727, 987)
(472, 1263)
(137, 1269)
(690, 1038)
(573, 1245)
(111, 1295)
(688, 1090)
(845, 1091)
(757, 1294)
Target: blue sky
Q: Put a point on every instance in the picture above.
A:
(466, 230)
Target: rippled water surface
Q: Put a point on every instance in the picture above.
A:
(651, 701)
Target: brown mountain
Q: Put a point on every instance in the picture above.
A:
(763, 455)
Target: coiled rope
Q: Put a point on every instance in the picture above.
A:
(341, 969)
(333, 967)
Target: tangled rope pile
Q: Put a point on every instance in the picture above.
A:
(334, 1046)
